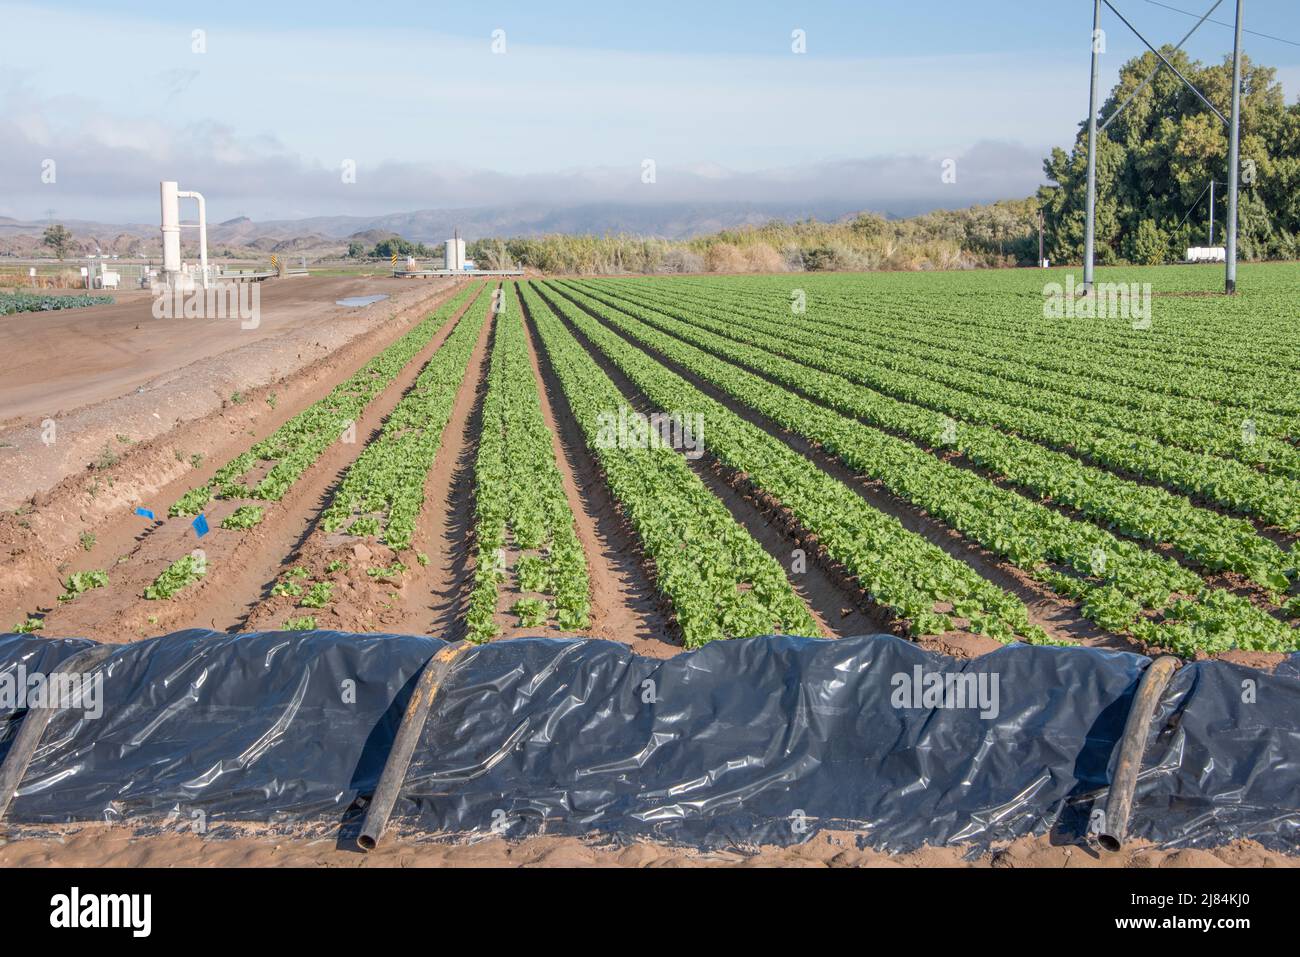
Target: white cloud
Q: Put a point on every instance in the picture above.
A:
(261, 121)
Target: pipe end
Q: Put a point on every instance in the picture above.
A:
(1108, 842)
(366, 842)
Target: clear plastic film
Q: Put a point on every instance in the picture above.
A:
(743, 742)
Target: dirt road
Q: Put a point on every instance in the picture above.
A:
(111, 375)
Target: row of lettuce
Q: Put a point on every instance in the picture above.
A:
(896, 568)
(524, 528)
(1062, 521)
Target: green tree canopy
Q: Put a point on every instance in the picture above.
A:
(57, 238)
(396, 244)
(1156, 160)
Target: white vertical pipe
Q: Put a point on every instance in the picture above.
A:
(171, 230)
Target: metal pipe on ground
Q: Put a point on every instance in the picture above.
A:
(14, 768)
(408, 735)
(1132, 746)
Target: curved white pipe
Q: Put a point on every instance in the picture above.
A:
(203, 230)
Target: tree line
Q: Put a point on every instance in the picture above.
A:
(1156, 160)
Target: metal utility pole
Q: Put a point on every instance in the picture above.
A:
(1234, 159)
(1090, 227)
(1040, 237)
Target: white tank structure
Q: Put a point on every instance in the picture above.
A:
(455, 257)
(1207, 254)
(174, 272)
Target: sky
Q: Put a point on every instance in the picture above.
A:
(267, 108)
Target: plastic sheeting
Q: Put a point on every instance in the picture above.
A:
(762, 740)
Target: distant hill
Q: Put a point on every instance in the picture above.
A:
(327, 236)
(667, 220)
(322, 235)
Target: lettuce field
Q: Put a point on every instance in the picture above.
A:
(937, 455)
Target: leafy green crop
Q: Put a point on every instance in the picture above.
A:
(532, 612)
(303, 439)
(13, 302)
(519, 493)
(1048, 453)
(79, 582)
(180, 574)
(288, 587)
(318, 596)
(246, 516)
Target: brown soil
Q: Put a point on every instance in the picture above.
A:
(42, 543)
(104, 845)
(104, 371)
(398, 602)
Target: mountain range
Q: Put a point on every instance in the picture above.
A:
(324, 235)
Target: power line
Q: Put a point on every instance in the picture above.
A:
(1222, 23)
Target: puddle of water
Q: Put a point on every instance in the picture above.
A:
(358, 300)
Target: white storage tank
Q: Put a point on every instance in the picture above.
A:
(455, 258)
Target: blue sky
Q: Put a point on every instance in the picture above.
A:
(284, 94)
(866, 27)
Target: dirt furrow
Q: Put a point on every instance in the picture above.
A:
(624, 603)
(240, 565)
(87, 521)
(370, 590)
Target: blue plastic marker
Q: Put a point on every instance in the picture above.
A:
(200, 525)
(145, 512)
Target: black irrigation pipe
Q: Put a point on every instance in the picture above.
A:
(408, 735)
(1132, 746)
